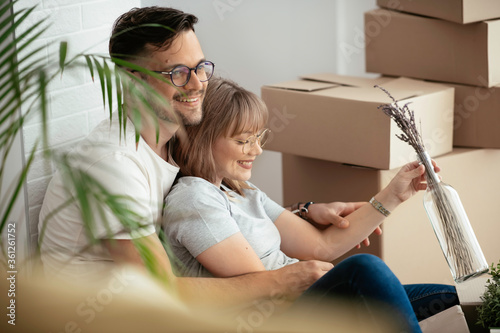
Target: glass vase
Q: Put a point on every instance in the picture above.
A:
(452, 227)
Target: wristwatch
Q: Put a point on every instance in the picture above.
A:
(305, 209)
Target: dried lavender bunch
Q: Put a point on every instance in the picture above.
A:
(456, 248)
(405, 119)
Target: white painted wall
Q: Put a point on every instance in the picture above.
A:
(350, 46)
(253, 42)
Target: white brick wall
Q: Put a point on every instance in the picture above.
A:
(75, 102)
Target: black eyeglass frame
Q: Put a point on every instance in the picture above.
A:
(195, 69)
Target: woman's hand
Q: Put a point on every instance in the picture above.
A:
(409, 180)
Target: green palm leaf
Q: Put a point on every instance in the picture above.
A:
(24, 78)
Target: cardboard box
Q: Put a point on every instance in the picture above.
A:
(469, 293)
(459, 11)
(476, 121)
(408, 244)
(336, 118)
(400, 44)
(451, 320)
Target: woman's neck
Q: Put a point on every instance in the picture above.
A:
(218, 182)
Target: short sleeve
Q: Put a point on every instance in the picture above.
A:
(272, 209)
(197, 216)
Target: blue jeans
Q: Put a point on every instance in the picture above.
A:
(366, 280)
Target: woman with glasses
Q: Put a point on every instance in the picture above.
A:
(219, 224)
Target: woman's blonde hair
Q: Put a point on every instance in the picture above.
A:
(228, 110)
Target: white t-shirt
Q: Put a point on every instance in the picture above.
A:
(123, 169)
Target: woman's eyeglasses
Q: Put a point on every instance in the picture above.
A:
(260, 138)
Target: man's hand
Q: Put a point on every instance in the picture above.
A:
(294, 279)
(327, 214)
(323, 215)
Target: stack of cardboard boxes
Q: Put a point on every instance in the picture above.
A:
(338, 146)
(461, 47)
(456, 42)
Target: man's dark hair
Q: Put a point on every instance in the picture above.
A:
(130, 37)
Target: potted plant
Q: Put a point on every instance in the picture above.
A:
(25, 77)
(489, 311)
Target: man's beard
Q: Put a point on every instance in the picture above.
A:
(173, 115)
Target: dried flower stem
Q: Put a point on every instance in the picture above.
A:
(457, 252)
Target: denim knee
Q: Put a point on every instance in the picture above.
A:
(430, 299)
(363, 259)
(368, 265)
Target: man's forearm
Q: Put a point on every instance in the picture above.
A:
(288, 283)
(230, 291)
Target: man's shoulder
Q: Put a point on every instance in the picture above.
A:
(113, 133)
(106, 141)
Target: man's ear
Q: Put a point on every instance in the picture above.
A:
(136, 73)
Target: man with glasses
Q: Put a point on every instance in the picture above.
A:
(145, 171)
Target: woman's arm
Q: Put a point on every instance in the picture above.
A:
(301, 240)
(324, 215)
(230, 257)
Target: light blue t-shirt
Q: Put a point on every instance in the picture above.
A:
(198, 215)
